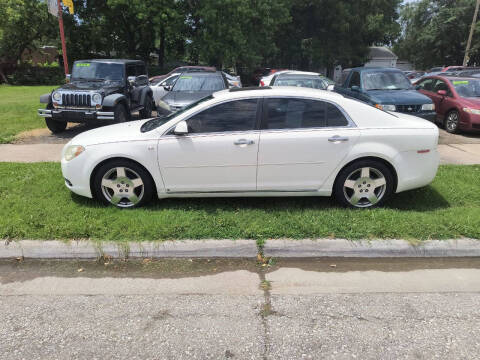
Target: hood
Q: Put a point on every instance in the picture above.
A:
(129, 131)
(106, 87)
(184, 98)
(398, 97)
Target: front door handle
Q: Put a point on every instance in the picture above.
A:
(244, 142)
(337, 138)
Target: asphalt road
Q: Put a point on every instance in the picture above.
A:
(236, 309)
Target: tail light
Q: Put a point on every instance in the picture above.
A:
(262, 83)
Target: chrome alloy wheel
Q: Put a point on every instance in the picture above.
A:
(122, 187)
(364, 187)
(452, 121)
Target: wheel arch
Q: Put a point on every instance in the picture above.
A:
(388, 164)
(103, 162)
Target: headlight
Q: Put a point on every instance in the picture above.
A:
(472, 111)
(386, 107)
(428, 107)
(56, 96)
(73, 151)
(97, 98)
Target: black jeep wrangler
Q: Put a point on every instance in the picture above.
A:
(99, 90)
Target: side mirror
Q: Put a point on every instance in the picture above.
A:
(442, 92)
(167, 87)
(68, 77)
(132, 80)
(181, 128)
(330, 87)
(355, 88)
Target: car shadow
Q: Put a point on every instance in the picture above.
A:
(423, 199)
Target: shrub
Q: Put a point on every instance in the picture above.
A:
(41, 74)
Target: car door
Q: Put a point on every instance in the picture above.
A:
(159, 91)
(219, 153)
(442, 103)
(302, 141)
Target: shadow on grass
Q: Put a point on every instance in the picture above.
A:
(424, 199)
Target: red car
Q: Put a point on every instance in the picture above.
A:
(457, 101)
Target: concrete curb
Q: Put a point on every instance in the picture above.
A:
(371, 249)
(38, 249)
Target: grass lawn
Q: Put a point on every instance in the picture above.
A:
(18, 110)
(35, 204)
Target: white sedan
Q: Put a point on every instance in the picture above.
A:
(279, 141)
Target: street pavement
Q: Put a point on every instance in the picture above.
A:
(237, 309)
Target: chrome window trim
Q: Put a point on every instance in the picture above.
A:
(351, 123)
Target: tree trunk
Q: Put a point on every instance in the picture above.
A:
(161, 49)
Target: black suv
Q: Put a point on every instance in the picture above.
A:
(99, 90)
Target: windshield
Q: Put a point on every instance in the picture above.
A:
(155, 123)
(387, 80)
(97, 71)
(199, 83)
(467, 87)
(314, 83)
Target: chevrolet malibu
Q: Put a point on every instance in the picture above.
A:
(278, 141)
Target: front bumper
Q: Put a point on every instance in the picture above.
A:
(427, 115)
(76, 115)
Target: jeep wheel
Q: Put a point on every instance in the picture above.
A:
(53, 125)
(120, 114)
(146, 112)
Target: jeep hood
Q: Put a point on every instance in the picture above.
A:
(398, 97)
(101, 86)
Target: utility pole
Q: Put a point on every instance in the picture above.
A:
(472, 28)
(62, 36)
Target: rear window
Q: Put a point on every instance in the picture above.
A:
(199, 83)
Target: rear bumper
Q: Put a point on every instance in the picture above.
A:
(80, 116)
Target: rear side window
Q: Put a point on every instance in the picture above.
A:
(289, 113)
(240, 115)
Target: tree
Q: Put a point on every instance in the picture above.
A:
(24, 24)
(323, 33)
(435, 33)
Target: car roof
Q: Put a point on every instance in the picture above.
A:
(277, 91)
(114, 61)
(376, 68)
(202, 73)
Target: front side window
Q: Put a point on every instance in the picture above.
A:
(199, 83)
(140, 70)
(426, 84)
(291, 113)
(441, 85)
(355, 79)
(239, 115)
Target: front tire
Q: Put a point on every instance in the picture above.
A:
(120, 114)
(53, 125)
(363, 184)
(451, 122)
(123, 183)
(146, 112)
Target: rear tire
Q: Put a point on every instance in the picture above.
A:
(120, 114)
(146, 112)
(363, 184)
(53, 125)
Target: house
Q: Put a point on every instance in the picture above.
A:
(381, 56)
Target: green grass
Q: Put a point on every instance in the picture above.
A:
(35, 204)
(18, 110)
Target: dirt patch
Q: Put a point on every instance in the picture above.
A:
(44, 136)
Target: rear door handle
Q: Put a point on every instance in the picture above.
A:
(337, 138)
(244, 142)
